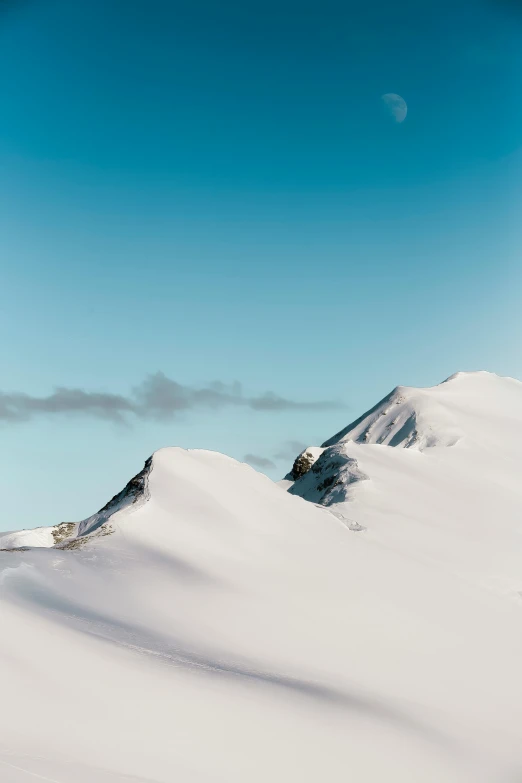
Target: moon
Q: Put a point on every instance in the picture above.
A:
(396, 105)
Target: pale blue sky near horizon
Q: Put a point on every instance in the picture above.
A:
(216, 192)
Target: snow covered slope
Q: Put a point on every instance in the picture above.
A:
(434, 473)
(473, 404)
(208, 626)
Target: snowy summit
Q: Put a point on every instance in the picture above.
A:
(361, 620)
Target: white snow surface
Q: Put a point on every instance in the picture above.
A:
(436, 416)
(38, 536)
(313, 451)
(220, 629)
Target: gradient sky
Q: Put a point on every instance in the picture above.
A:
(215, 191)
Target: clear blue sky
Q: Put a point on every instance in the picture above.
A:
(215, 191)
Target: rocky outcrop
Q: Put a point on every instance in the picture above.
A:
(328, 480)
(302, 465)
(136, 490)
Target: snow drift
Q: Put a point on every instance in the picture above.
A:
(208, 626)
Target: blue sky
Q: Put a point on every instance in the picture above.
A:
(214, 191)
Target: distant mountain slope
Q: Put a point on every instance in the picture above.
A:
(440, 415)
(435, 473)
(206, 626)
(69, 534)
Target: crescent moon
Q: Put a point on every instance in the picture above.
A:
(396, 105)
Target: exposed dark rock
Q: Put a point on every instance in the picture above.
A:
(62, 531)
(330, 478)
(17, 549)
(135, 490)
(302, 465)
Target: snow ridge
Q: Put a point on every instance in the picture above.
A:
(135, 491)
(232, 631)
(405, 418)
(475, 410)
(67, 534)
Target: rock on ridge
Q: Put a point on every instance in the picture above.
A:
(329, 478)
(135, 491)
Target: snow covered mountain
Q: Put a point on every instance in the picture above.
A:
(207, 626)
(447, 491)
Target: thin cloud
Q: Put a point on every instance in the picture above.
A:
(17, 406)
(258, 462)
(272, 402)
(157, 397)
(290, 449)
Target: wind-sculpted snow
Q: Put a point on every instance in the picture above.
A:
(403, 418)
(228, 631)
(135, 491)
(436, 416)
(40, 536)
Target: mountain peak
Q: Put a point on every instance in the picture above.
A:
(473, 407)
(421, 418)
(474, 374)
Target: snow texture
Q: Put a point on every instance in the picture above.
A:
(209, 627)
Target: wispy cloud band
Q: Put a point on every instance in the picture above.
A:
(259, 462)
(157, 397)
